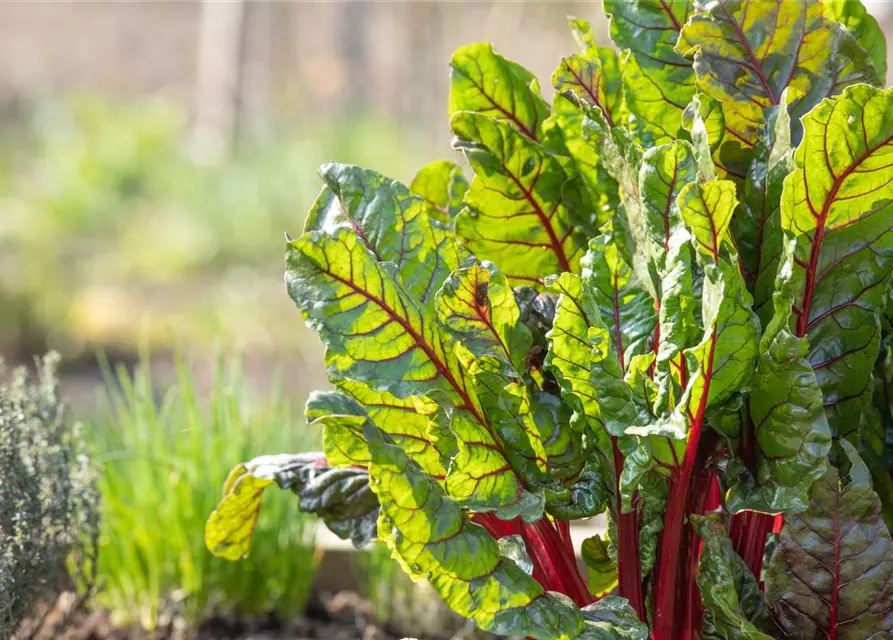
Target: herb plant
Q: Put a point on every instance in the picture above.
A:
(663, 295)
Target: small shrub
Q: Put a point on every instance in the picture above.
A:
(48, 497)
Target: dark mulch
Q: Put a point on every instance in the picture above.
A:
(348, 619)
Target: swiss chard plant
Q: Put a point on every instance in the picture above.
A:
(666, 296)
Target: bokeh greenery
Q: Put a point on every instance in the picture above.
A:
(113, 231)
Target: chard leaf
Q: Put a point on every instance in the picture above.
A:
(405, 420)
(484, 82)
(602, 570)
(747, 52)
(434, 539)
(570, 351)
(837, 208)
(831, 572)
(341, 497)
(792, 434)
(624, 306)
(517, 217)
(443, 187)
(376, 333)
(658, 82)
(665, 171)
(341, 420)
(729, 591)
(395, 225)
(477, 306)
(612, 618)
(374, 330)
(855, 17)
(594, 76)
(757, 227)
(563, 446)
(707, 209)
(564, 131)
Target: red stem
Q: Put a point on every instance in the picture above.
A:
(554, 561)
(669, 586)
(629, 571)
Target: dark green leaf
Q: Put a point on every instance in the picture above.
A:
(341, 497)
(832, 571)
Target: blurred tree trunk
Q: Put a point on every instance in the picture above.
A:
(220, 76)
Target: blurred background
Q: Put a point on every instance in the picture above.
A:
(152, 157)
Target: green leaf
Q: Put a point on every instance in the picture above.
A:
(793, 438)
(665, 171)
(658, 82)
(570, 351)
(477, 306)
(594, 76)
(405, 420)
(395, 225)
(747, 52)
(374, 330)
(730, 593)
(865, 29)
(484, 82)
(341, 420)
(517, 199)
(564, 135)
(443, 187)
(563, 446)
(707, 209)
(831, 571)
(624, 306)
(838, 211)
(757, 226)
(612, 618)
(434, 539)
(341, 497)
(602, 571)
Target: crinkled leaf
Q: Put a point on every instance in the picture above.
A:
(564, 133)
(665, 171)
(563, 445)
(374, 330)
(658, 82)
(792, 434)
(484, 82)
(434, 539)
(518, 216)
(341, 420)
(443, 186)
(395, 225)
(730, 593)
(747, 52)
(570, 352)
(477, 306)
(837, 208)
(865, 29)
(341, 497)
(405, 420)
(593, 76)
(757, 225)
(707, 209)
(624, 306)
(831, 574)
(601, 569)
(612, 618)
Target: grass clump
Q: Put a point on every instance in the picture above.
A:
(163, 459)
